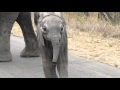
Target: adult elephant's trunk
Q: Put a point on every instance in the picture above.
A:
(56, 49)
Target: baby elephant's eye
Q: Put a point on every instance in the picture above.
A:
(62, 29)
(44, 29)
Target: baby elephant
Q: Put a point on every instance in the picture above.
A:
(52, 38)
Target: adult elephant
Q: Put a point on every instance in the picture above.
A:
(7, 19)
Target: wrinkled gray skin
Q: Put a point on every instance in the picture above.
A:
(7, 20)
(52, 38)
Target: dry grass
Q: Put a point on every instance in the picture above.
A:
(92, 24)
(94, 47)
(94, 39)
(16, 31)
(90, 38)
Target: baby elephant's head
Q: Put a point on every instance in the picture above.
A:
(52, 28)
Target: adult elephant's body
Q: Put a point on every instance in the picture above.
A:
(7, 20)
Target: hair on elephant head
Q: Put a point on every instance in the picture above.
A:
(52, 37)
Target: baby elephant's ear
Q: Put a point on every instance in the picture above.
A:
(40, 37)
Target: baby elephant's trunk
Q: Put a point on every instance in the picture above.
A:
(56, 49)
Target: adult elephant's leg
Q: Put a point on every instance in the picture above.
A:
(7, 20)
(31, 48)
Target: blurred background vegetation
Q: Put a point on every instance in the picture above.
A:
(113, 17)
(107, 23)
